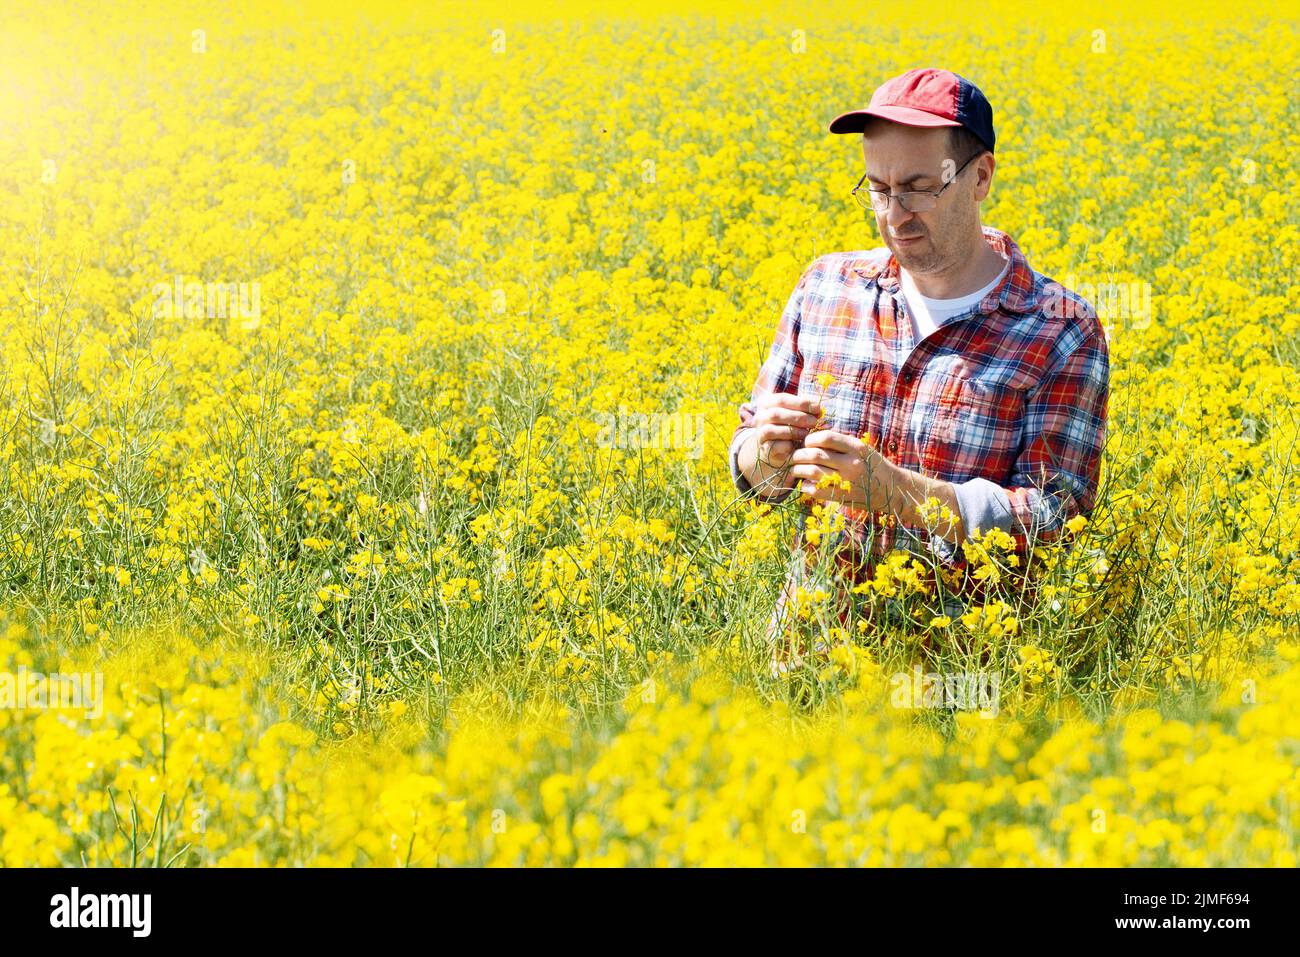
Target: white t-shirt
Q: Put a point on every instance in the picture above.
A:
(929, 314)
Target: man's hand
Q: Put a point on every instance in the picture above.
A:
(781, 422)
(875, 483)
(872, 478)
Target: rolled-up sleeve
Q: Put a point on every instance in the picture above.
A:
(779, 373)
(1057, 474)
(984, 505)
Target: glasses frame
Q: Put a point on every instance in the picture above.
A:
(933, 194)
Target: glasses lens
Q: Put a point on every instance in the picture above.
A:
(916, 202)
(879, 200)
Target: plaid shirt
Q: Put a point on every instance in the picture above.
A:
(1008, 401)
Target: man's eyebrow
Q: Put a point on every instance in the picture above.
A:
(903, 182)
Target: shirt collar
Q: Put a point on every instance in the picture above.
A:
(1017, 292)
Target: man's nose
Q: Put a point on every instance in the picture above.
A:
(896, 216)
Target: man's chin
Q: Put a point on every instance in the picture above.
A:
(912, 257)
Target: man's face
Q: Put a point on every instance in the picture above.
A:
(900, 158)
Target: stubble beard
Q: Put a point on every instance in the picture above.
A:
(920, 260)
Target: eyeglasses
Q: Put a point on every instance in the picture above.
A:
(914, 201)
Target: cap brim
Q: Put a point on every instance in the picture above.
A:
(855, 121)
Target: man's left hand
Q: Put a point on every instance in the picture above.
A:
(872, 477)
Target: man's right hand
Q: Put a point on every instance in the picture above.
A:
(780, 424)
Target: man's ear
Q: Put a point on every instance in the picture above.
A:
(984, 175)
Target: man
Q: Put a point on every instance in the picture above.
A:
(944, 364)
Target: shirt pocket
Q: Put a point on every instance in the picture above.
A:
(847, 395)
(976, 431)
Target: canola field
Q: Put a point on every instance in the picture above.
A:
(367, 377)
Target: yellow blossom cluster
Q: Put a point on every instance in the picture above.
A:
(192, 762)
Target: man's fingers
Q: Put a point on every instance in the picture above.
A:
(788, 409)
(810, 473)
(812, 456)
(781, 433)
(788, 417)
(833, 441)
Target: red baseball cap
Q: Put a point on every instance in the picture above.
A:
(925, 97)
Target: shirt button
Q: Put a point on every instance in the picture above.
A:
(893, 445)
(907, 376)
